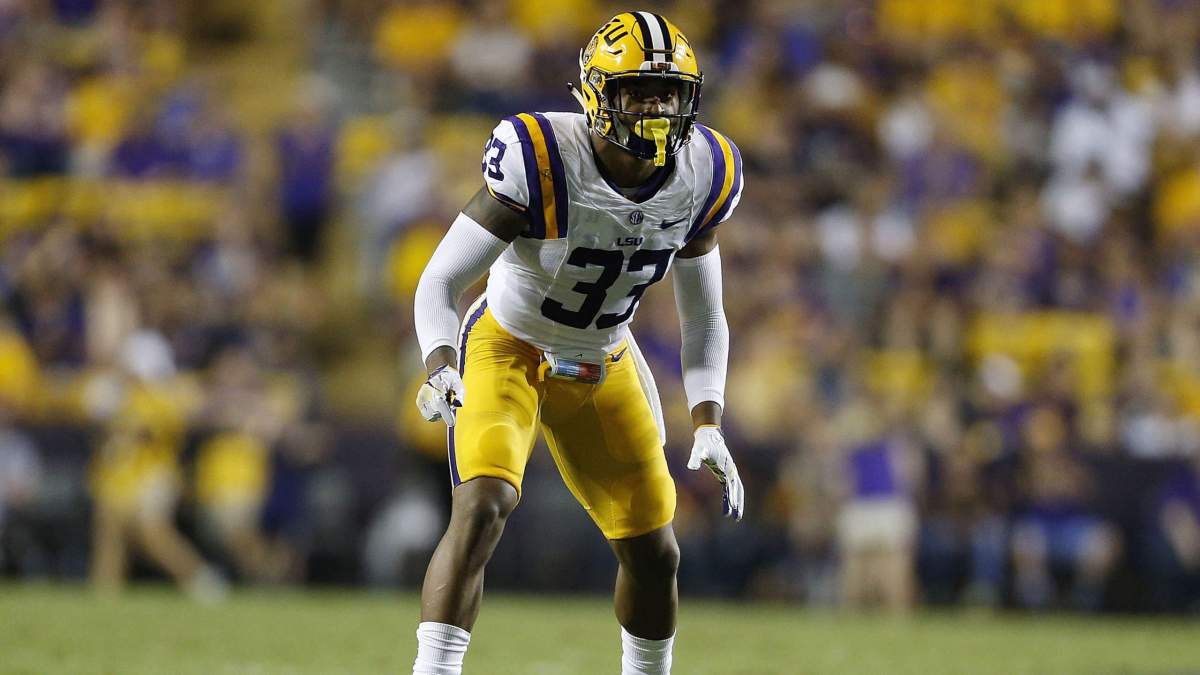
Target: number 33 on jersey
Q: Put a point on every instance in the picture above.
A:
(573, 279)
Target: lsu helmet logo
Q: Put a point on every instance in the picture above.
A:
(590, 49)
(637, 55)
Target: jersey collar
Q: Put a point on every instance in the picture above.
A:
(646, 190)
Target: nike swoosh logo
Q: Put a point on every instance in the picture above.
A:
(617, 357)
(665, 224)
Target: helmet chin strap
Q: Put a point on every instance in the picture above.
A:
(577, 94)
(655, 129)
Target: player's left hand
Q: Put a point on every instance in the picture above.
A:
(709, 448)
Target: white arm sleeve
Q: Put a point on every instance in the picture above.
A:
(705, 332)
(466, 252)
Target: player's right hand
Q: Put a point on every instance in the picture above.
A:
(441, 394)
(710, 450)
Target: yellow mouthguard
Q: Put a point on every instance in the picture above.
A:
(655, 129)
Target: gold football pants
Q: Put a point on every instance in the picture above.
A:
(603, 437)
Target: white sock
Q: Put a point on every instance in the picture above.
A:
(640, 656)
(207, 586)
(440, 649)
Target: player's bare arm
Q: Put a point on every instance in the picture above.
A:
(699, 246)
(495, 217)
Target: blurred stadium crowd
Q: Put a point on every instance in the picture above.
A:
(963, 285)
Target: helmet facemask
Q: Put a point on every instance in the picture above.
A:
(642, 133)
(650, 134)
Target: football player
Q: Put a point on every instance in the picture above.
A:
(579, 215)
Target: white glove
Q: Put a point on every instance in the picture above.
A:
(710, 449)
(441, 394)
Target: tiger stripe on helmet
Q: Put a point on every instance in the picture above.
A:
(656, 38)
(669, 41)
(544, 176)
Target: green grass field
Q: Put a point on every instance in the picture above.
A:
(63, 629)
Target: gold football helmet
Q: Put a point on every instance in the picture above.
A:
(642, 55)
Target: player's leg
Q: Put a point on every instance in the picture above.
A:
(854, 555)
(855, 585)
(1033, 584)
(165, 547)
(900, 589)
(1093, 548)
(607, 447)
(163, 544)
(647, 599)
(157, 537)
(109, 549)
(488, 449)
(454, 579)
(899, 566)
(115, 499)
(647, 596)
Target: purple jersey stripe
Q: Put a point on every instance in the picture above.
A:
(462, 369)
(537, 217)
(455, 478)
(733, 191)
(557, 175)
(508, 201)
(462, 346)
(718, 179)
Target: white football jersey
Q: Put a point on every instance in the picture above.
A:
(572, 281)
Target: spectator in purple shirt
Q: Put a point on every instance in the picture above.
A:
(305, 152)
(877, 521)
(1058, 531)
